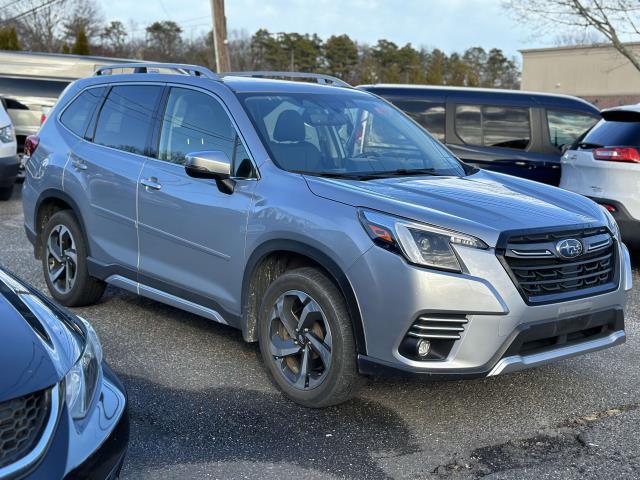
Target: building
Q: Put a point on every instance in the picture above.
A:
(597, 73)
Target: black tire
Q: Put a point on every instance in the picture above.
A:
(85, 290)
(341, 381)
(5, 193)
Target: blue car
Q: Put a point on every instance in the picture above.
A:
(508, 131)
(62, 410)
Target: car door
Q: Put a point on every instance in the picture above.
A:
(107, 168)
(192, 234)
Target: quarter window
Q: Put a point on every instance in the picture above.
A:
(127, 116)
(194, 121)
(494, 126)
(77, 115)
(430, 115)
(565, 127)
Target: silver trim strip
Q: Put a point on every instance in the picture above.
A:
(42, 445)
(164, 297)
(519, 362)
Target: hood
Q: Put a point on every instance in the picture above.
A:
(483, 204)
(36, 348)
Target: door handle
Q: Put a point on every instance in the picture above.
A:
(78, 163)
(151, 183)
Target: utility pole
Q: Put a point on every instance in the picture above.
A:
(220, 36)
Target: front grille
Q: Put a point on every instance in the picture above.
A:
(438, 327)
(540, 272)
(22, 421)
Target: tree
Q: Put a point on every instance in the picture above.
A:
(9, 38)
(457, 70)
(475, 59)
(83, 15)
(114, 37)
(81, 44)
(40, 23)
(341, 55)
(613, 19)
(436, 67)
(164, 40)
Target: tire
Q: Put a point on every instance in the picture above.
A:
(64, 262)
(333, 376)
(5, 193)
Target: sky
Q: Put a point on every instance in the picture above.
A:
(451, 25)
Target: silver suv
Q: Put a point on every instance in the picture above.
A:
(321, 221)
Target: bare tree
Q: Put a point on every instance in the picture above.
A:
(83, 15)
(39, 23)
(615, 20)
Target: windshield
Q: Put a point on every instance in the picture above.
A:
(345, 135)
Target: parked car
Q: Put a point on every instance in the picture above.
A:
(62, 409)
(507, 131)
(322, 222)
(604, 165)
(31, 82)
(8, 155)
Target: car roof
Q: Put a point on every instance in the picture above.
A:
(482, 95)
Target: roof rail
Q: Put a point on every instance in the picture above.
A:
(318, 77)
(144, 67)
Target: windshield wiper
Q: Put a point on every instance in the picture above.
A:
(400, 172)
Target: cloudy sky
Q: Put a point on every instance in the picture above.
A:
(451, 25)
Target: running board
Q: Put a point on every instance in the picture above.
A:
(164, 297)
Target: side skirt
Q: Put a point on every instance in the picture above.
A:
(164, 297)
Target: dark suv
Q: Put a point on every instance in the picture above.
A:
(508, 131)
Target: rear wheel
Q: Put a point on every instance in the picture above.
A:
(306, 340)
(64, 262)
(5, 193)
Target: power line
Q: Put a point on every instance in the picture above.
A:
(9, 4)
(33, 10)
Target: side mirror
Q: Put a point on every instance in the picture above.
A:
(212, 164)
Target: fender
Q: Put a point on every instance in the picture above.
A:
(322, 259)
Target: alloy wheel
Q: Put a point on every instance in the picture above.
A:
(62, 259)
(300, 340)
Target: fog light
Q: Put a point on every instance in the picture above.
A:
(423, 348)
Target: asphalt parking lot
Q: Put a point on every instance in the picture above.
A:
(201, 406)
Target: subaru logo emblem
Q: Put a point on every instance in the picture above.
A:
(569, 248)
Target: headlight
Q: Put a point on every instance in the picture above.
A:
(613, 225)
(82, 380)
(6, 134)
(420, 244)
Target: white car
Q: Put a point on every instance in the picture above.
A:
(9, 162)
(605, 166)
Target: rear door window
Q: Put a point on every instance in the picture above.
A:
(77, 115)
(428, 114)
(565, 126)
(126, 117)
(609, 133)
(494, 126)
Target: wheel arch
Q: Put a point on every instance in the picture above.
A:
(272, 258)
(49, 202)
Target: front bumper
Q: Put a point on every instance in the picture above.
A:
(391, 294)
(93, 448)
(8, 170)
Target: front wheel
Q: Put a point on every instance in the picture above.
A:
(306, 339)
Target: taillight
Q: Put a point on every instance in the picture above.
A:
(617, 154)
(30, 145)
(43, 117)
